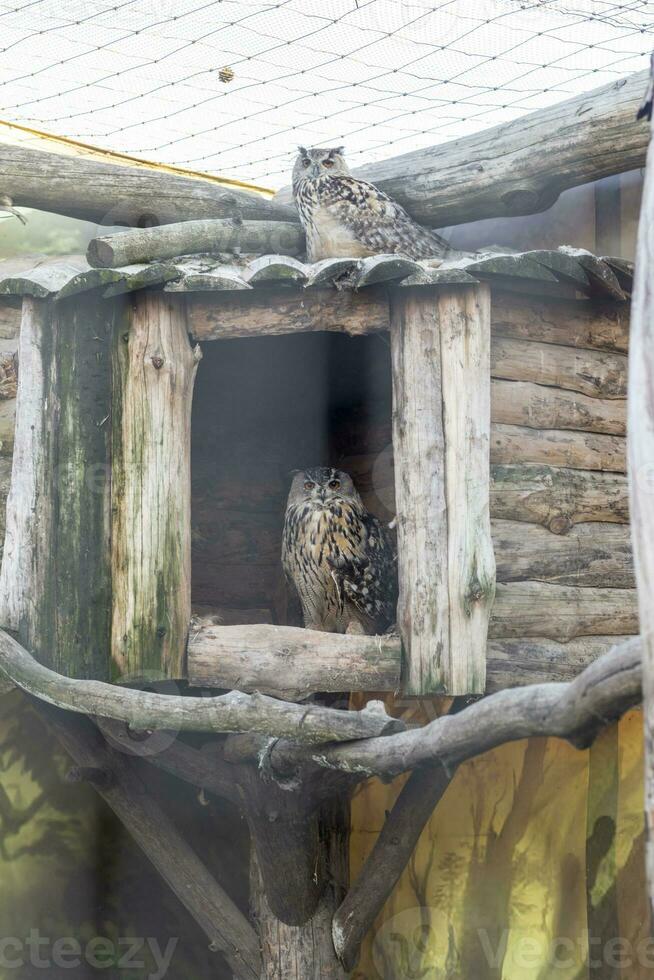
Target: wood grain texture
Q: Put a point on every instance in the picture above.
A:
(112, 194)
(154, 374)
(9, 320)
(598, 374)
(290, 663)
(441, 414)
(519, 167)
(541, 407)
(602, 326)
(186, 237)
(557, 447)
(557, 497)
(519, 661)
(55, 584)
(589, 554)
(562, 612)
(285, 312)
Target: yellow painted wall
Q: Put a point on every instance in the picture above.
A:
(534, 847)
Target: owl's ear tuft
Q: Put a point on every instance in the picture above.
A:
(302, 150)
(338, 150)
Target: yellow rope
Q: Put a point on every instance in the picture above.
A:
(136, 161)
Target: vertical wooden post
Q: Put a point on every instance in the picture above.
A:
(440, 345)
(640, 440)
(55, 584)
(154, 374)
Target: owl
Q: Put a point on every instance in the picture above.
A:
(338, 556)
(344, 216)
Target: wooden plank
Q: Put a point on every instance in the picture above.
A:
(123, 195)
(290, 663)
(289, 312)
(55, 585)
(562, 612)
(188, 237)
(555, 447)
(527, 163)
(441, 414)
(557, 497)
(541, 407)
(154, 374)
(598, 374)
(572, 323)
(589, 554)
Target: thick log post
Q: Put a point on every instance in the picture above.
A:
(306, 952)
(55, 586)
(440, 345)
(154, 373)
(641, 469)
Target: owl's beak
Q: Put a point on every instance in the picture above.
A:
(322, 494)
(314, 170)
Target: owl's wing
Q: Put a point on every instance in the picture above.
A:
(369, 580)
(379, 222)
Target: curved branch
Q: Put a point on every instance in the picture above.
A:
(575, 711)
(233, 712)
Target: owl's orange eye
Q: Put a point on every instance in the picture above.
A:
(305, 161)
(309, 485)
(334, 484)
(328, 163)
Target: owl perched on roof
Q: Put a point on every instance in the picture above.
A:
(344, 216)
(339, 557)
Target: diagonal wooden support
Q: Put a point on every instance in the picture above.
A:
(224, 924)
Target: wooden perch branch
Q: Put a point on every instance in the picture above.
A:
(122, 788)
(233, 712)
(186, 237)
(118, 195)
(575, 711)
(522, 167)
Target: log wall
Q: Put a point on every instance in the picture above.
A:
(558, 491)
(559, 500)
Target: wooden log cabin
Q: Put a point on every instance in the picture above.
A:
(507, 371)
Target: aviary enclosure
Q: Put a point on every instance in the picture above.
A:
(164, 395)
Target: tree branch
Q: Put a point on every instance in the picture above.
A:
(233, 712)
(211, 907)
(575, 711)
(387, 860)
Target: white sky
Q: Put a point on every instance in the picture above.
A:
(382, 76)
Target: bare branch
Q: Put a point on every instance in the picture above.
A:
(211, 907)
(387, 860)
(575, 711)
(233, 712)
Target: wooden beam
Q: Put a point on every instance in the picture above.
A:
(285, 312)
(112, 194)
(641, 468)
(55, 584)
(519, 167)
(538, 406)
(440, 349)
(562, 612)
(154, 374)
(558, 447)
(186, 237)
(557, 497)
(602, 326)
(596, 374)
(291, 663)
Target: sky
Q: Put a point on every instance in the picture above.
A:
(231, 87)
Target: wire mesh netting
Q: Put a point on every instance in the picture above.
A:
(232, 86)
